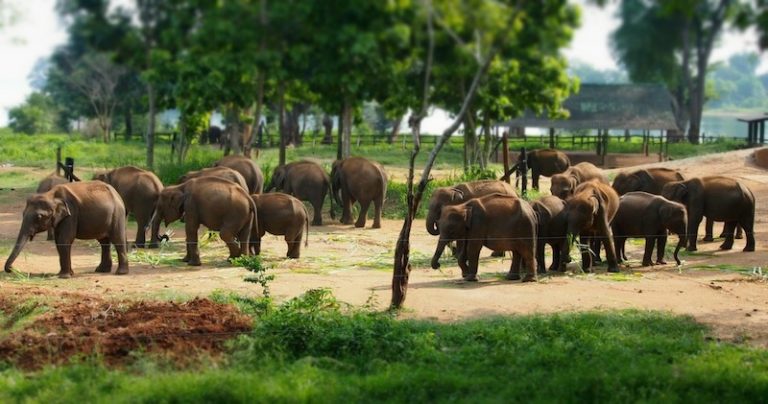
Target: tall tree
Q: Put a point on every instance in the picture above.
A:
(671, 42)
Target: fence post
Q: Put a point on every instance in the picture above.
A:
(505, 154)
(58, 160)
(522, 171)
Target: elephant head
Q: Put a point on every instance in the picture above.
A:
(562, 185)
(582, 213)
(103, 177)
(675, 219)
(278, 179)
(170, 204)
(43, 212)
(676, 191)
(454, 225)
(441, 197)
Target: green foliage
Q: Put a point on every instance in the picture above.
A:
(37, 115)
(254, 265)
(312, 348)
(736, 85)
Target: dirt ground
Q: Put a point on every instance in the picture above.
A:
(726, 290)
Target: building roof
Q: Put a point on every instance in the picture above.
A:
(611, 106)
(754, 118)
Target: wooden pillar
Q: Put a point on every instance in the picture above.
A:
(606, 138)
(762, 132)
(551, 138)
(661, 145)
(522, 171)
(505, 154)
(645, 142)
(599, 143)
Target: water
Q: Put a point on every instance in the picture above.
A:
(726, 126)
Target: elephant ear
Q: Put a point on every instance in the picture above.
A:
(596, 203)
(456, 195)
(61, 211)
(643, 176)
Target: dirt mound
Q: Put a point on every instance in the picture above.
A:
(113, 329)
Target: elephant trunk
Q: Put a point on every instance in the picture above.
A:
(681, 243)
(432, 224)
(438, 252)
(154, 225)
(21, 241)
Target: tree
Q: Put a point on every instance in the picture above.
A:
(735, 83)
(671, 42)
(38, 114)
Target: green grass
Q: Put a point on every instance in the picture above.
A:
(315, 349)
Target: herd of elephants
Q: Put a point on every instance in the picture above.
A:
(230, 198)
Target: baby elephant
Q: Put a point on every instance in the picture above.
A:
(282, 215)
(646, 215)
(552, 229)
(216, 203)
(79, 210)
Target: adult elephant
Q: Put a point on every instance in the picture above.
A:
(590, 211)
(282, 215)
(718, 198)
(89, 210)
(499, 222)
(215, 203)
(357, 179)
(564, 184)
(307, 181)
(219, 172)
(552, 228)
(247, 168)
(139, 190)
(642, 214)
(546, 162)
(45, 185)
(457, 194)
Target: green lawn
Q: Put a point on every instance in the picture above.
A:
(313, 349)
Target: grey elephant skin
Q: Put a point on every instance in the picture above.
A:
(552, 228)
(139, 190)
(282, 215)
(590, 211)
(499, 222)
(718, 198)
(89, 210)
(649, 216)
(215, 203)
(307, 181)
(247, 168)
(564, 184)
(45, 185)
(219, 172)
(546, 162)
(356, 179)
(460, 193)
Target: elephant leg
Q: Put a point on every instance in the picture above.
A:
(228, 236)
(586, 255)
(64, 248)
(540, 247)
(739, 232)
(193, 249)
(462, 257)
(346, 211)
(556, 251)
(708, 230)
(294, 245)
(105, 266)
(661, 245)
(620, 256)
(378, 205)
(650, 242)
(748, 224)
(535, 180)
(473, 260)
(364, 205)
(50, 235)
(244, 238)
(514, 268)
(694, 219)
(317, 207)
(528, 259)
(610, 248)
(730, 226)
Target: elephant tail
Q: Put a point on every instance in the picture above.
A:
(254, 224)
(306, 226)
(332, 197)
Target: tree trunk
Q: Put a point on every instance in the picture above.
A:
(346, 144)
(339, 153)
(151, 127)
(328, 127)
(470, 142)
(395, 130)
(281, 122)
(128, 124)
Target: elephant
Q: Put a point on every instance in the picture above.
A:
(546, 162)
(552, 226)
(249, 170)
(216, 203)
(220, 172)
(45, 185)
(718, 198)
(650, 180)
(497, 221)
(358, 179)
(139, 190)
(590, 211)
(446, 196)
(565, 184)
(280, 214)
(642, 214)
(85, 210)
(307, 181)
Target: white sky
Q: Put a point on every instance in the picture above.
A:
(38, 31)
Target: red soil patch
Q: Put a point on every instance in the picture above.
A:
(81, 326)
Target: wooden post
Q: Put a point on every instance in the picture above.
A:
(522, 171)
(58, 160)
(551, 138)
(599, 143)
(505, 154)
(762, 132)
(666, 146)
(605, 147)
(661, 145)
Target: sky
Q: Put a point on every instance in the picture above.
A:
(38, 31)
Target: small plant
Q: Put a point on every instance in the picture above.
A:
(253, 264)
